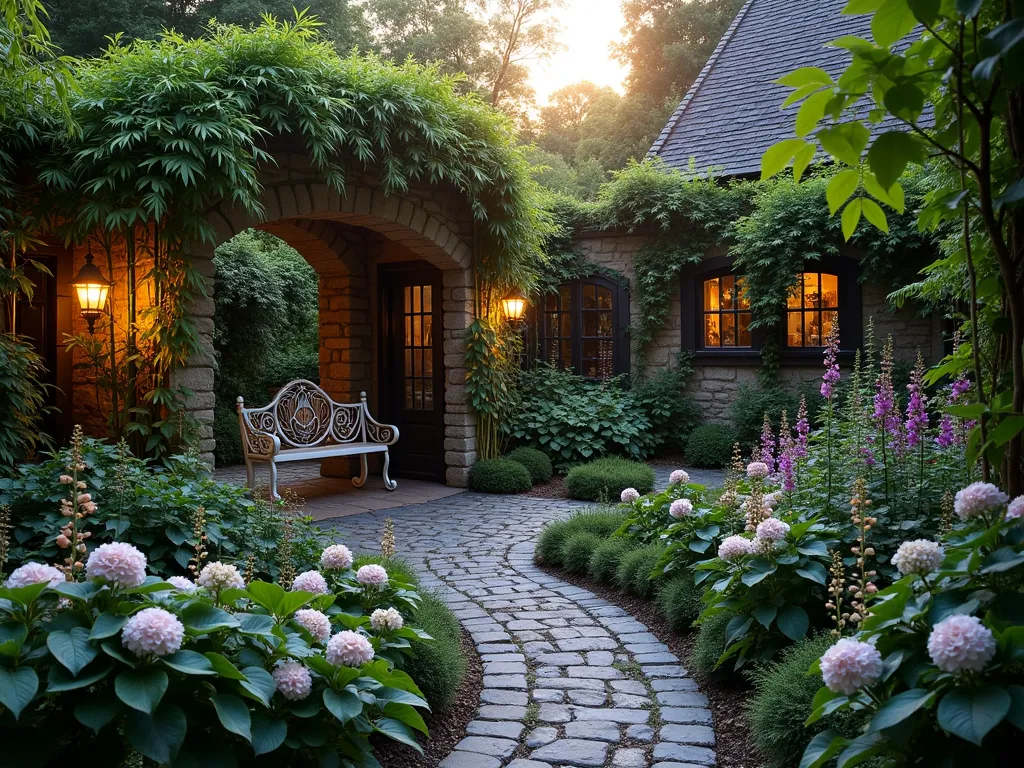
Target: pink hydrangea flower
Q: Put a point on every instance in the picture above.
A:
(293, 680)
(961, 643)
(311, 581)
(317, 623)
(1016, 509)
(771, 500)
(629, 495)
(977, 499)
(118, 563)
(919, 556)
(336, 557)
(757, 469)
(679, 477)
(217, 576)
(386, 620)
(733, 547)
(372, 575)
(153, 632)
(33, 573)
(850, 665)
(349, 649)
(681, 508)
(772, 529)
(180, 582)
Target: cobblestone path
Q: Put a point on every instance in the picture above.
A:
(569, 679)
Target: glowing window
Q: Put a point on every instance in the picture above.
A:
(726, 312)
(811, 308)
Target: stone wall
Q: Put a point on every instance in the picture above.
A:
(714, 386)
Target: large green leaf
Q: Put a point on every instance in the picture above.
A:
(344, 705)
(107, 625)
(891, 22)
(822, 748)
(97, 710)
(233, 713)
(201, 618)
(398, 731)
(900, 707)
(840, 187)
(12, 636)
(60, 679)
(890, 154)
(860, 749)
(259, 683)
(971, 713)
(190, 663)
(158, 736)
(267, 733)
(793, 622)
(72, 648)
(18, 688)
(223, 667)
(141, 688)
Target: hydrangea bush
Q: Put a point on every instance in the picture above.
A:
(213, 670)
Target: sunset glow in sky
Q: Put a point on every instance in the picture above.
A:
(587, 29)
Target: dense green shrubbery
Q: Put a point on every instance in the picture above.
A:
(710, 644)
(266, 327)
(679, 600)
(577, 551)
(155, 509)
(437, 667)
(536, 462)
(552, 538)
(710, 446)
(605, 479)
(21, 399)
(750, 407)
(633, 574)
(499, 476)
(606, 558)
(672, 412)
(783, 692)
(573, 419)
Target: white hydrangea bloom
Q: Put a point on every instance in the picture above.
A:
(349, 649)
(153, 632)
(961, 643)
(386, 620)
(33, 573)
(118, 563)
(217, 576)
(919, 556)
(850, 665)
(336, 557)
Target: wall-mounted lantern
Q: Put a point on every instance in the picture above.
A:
(92, 288)
(514, 306)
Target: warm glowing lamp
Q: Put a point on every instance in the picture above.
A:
(92, 288)
(514, 305)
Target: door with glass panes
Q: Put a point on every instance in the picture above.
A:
(412, 370)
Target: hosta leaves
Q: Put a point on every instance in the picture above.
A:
(268, 733)
(259, 684)
(344, 705)
(59, 679)
(793, 622)
(97, 710)
(398, 731)
(900, 707)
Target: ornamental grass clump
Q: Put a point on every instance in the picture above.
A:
(679, 600)
(578, 550)
(604, 562)
(553, 536)
(636, 568)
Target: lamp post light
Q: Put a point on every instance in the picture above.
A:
(514, 306)
(92, 288)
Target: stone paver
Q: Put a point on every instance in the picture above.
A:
(569, 678)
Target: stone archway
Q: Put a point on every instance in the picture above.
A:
(344, 237)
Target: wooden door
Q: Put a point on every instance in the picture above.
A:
(412, 370)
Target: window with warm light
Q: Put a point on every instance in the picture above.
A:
(811, 308)
(581, 326)
(726, 313)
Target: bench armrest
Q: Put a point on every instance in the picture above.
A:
(255, 442)
(385, 434)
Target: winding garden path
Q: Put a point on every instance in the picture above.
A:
(569, 678)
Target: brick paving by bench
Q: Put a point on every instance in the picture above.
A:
(569, 679)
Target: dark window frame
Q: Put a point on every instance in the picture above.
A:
(537, 337)
(691, 294)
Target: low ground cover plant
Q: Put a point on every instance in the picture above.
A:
(499, 476)
(607, 478)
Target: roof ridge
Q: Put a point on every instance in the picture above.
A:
(670, 126)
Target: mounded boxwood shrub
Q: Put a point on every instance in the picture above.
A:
(536, 462)
(634, 571)
(437, 667)
(549, 545)
(604, 562)
(499, 476)
(679, 600)
(577, 551)
(605, 479)
(710, 446)
(783, 692)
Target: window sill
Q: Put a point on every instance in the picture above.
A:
(727, 357)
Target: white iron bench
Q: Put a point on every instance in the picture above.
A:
(302, 422)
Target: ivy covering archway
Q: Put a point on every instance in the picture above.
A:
(159, 129)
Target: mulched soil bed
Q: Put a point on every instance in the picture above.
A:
(727, 700)
(552, 489)
(447, 727)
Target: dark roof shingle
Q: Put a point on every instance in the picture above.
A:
(731, 113)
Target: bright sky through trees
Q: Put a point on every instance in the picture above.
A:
(588, 27)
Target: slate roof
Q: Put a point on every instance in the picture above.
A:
(731, 114)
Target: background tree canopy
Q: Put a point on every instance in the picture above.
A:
(583, 133)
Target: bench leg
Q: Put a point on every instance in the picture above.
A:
(250, 475)
(363, 470)
(273, 482)
(388, 482)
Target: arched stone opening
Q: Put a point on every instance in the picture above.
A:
(349, 239)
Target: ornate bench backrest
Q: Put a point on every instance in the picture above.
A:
(304, 416)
